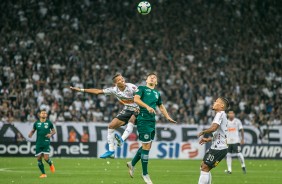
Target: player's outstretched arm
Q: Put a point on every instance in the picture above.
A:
(92, 90)
(164, 112)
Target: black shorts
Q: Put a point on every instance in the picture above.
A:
(125, 115)
(234, 148)
(213, 157)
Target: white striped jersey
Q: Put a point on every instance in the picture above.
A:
(219, 140)
(126, 97)
(234, 127)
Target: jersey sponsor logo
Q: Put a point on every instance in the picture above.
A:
(126, 101)
(232, 129)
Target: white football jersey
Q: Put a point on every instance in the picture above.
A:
(233, 131)
(219, 140)
(126, 97)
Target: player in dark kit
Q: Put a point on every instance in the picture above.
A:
(45, 130)
(148, 98)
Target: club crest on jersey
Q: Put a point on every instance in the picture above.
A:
(45, 125)
(156, 94)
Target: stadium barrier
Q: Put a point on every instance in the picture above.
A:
(171, 142)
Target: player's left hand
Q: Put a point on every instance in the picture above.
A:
(48, 135)
(171, 120)
(242, 142)
(201, 133)
(204, 140)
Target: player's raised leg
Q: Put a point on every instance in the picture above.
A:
(127, 131)
(116, 123)
(50, 163)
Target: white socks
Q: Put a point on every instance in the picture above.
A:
(241, 158)
(229, 162)
(127, 131)
(205, 178)
(111, 138)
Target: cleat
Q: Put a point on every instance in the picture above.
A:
(120, 141)
(228, 172)
(130, 169)
(108, 154)
(147, 179)
(43, 176)
(52, 168)
(244, 170)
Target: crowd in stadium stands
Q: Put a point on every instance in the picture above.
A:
(200, 50)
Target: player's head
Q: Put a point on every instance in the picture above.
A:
(231, 114)
(118, 79)
(152, 79)
(43, 114)
(221, 104)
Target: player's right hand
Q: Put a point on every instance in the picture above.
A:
(74, 88)
(151, 110)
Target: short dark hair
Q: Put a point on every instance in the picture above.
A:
(231, 110)
(115, 76)
(151, 73)
(42, 110)
(226, 102)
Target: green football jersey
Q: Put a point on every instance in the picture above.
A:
(152, 98)
(42, 129)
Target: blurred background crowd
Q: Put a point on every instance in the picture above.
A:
(200, 50)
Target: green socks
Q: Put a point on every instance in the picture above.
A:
(137, 157)
(49, 162)
(41, 166)
(144, 160)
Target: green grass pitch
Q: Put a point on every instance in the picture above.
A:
(114, 171)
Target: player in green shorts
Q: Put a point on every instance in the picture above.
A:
(45, 130)
(148, 98)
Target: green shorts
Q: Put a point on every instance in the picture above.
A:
(146, 130)
(147, 137)
(42, 149)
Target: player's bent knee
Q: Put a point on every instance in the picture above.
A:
(205, 167)
(146, 146)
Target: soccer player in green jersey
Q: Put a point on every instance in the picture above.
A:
(45, 130)
(148, 98)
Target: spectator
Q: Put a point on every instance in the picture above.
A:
(236, 53)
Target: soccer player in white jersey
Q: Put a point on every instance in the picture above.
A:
(218, 149)
(234, 126)
(124, 92)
